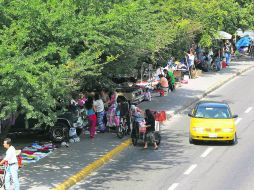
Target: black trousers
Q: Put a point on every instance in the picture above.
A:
(171, 87)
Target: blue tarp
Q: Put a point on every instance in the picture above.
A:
(243, 42)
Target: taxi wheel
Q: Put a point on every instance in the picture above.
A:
(234, 141)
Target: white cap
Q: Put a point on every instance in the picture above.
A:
(133, 107)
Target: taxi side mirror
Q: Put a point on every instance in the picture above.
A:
(234, 116)
(190, 115)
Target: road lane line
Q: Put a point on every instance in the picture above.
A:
(190, 169)
(248, 110)
(207, 151)
(173, 186)
(238, 120)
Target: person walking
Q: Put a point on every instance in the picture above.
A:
(12, 167)
(162, 86)
(99, 109)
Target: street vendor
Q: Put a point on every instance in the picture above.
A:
(162, 86)
(171, 79)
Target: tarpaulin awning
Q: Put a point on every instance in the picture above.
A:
(243, 42)
(222, 35)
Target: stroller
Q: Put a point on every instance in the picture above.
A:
(139, 131)
(123, 128)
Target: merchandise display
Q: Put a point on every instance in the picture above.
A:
(35, 152)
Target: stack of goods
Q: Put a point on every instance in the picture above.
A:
(73, 135)
(35, 152)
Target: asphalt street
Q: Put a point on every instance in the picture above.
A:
(180, 165)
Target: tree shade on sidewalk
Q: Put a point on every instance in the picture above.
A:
(65, 162)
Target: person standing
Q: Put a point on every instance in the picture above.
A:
(171, 79)
(228, 49)
(210, 58)
(99, 109)
(105, 98)
(82, 99)
(90, 112)
(114, 119)
(190, 61)
(12, 168)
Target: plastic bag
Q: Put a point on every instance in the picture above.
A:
(160, 116)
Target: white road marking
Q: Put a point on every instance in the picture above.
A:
(238, 120)
(248, 110)
(190, 169)
(207, 151)
(173, 186)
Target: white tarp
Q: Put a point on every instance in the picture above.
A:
(249, 33)
(223, 35)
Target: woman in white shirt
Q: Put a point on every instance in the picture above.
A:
(190, 60)
(99, 109)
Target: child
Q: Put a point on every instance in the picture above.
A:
(223, 63)
(217, 61)
(147, 95)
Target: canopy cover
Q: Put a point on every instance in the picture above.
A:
(243, 42)
(222, 35)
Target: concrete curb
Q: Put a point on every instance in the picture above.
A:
(171, 113)
(93, 166)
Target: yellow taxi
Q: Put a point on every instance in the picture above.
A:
(212, 121)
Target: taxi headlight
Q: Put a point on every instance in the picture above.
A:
(198, 129)
(227, 130)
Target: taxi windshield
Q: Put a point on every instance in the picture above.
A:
(213, 112)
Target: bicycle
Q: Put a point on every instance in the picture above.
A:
(4, 168)
(2, 177)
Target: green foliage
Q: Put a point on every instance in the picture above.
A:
(50, 48)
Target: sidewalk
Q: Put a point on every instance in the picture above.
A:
(197, 88)
(65, 162)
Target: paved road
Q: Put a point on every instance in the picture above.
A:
(179, 165)
(173, 157)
